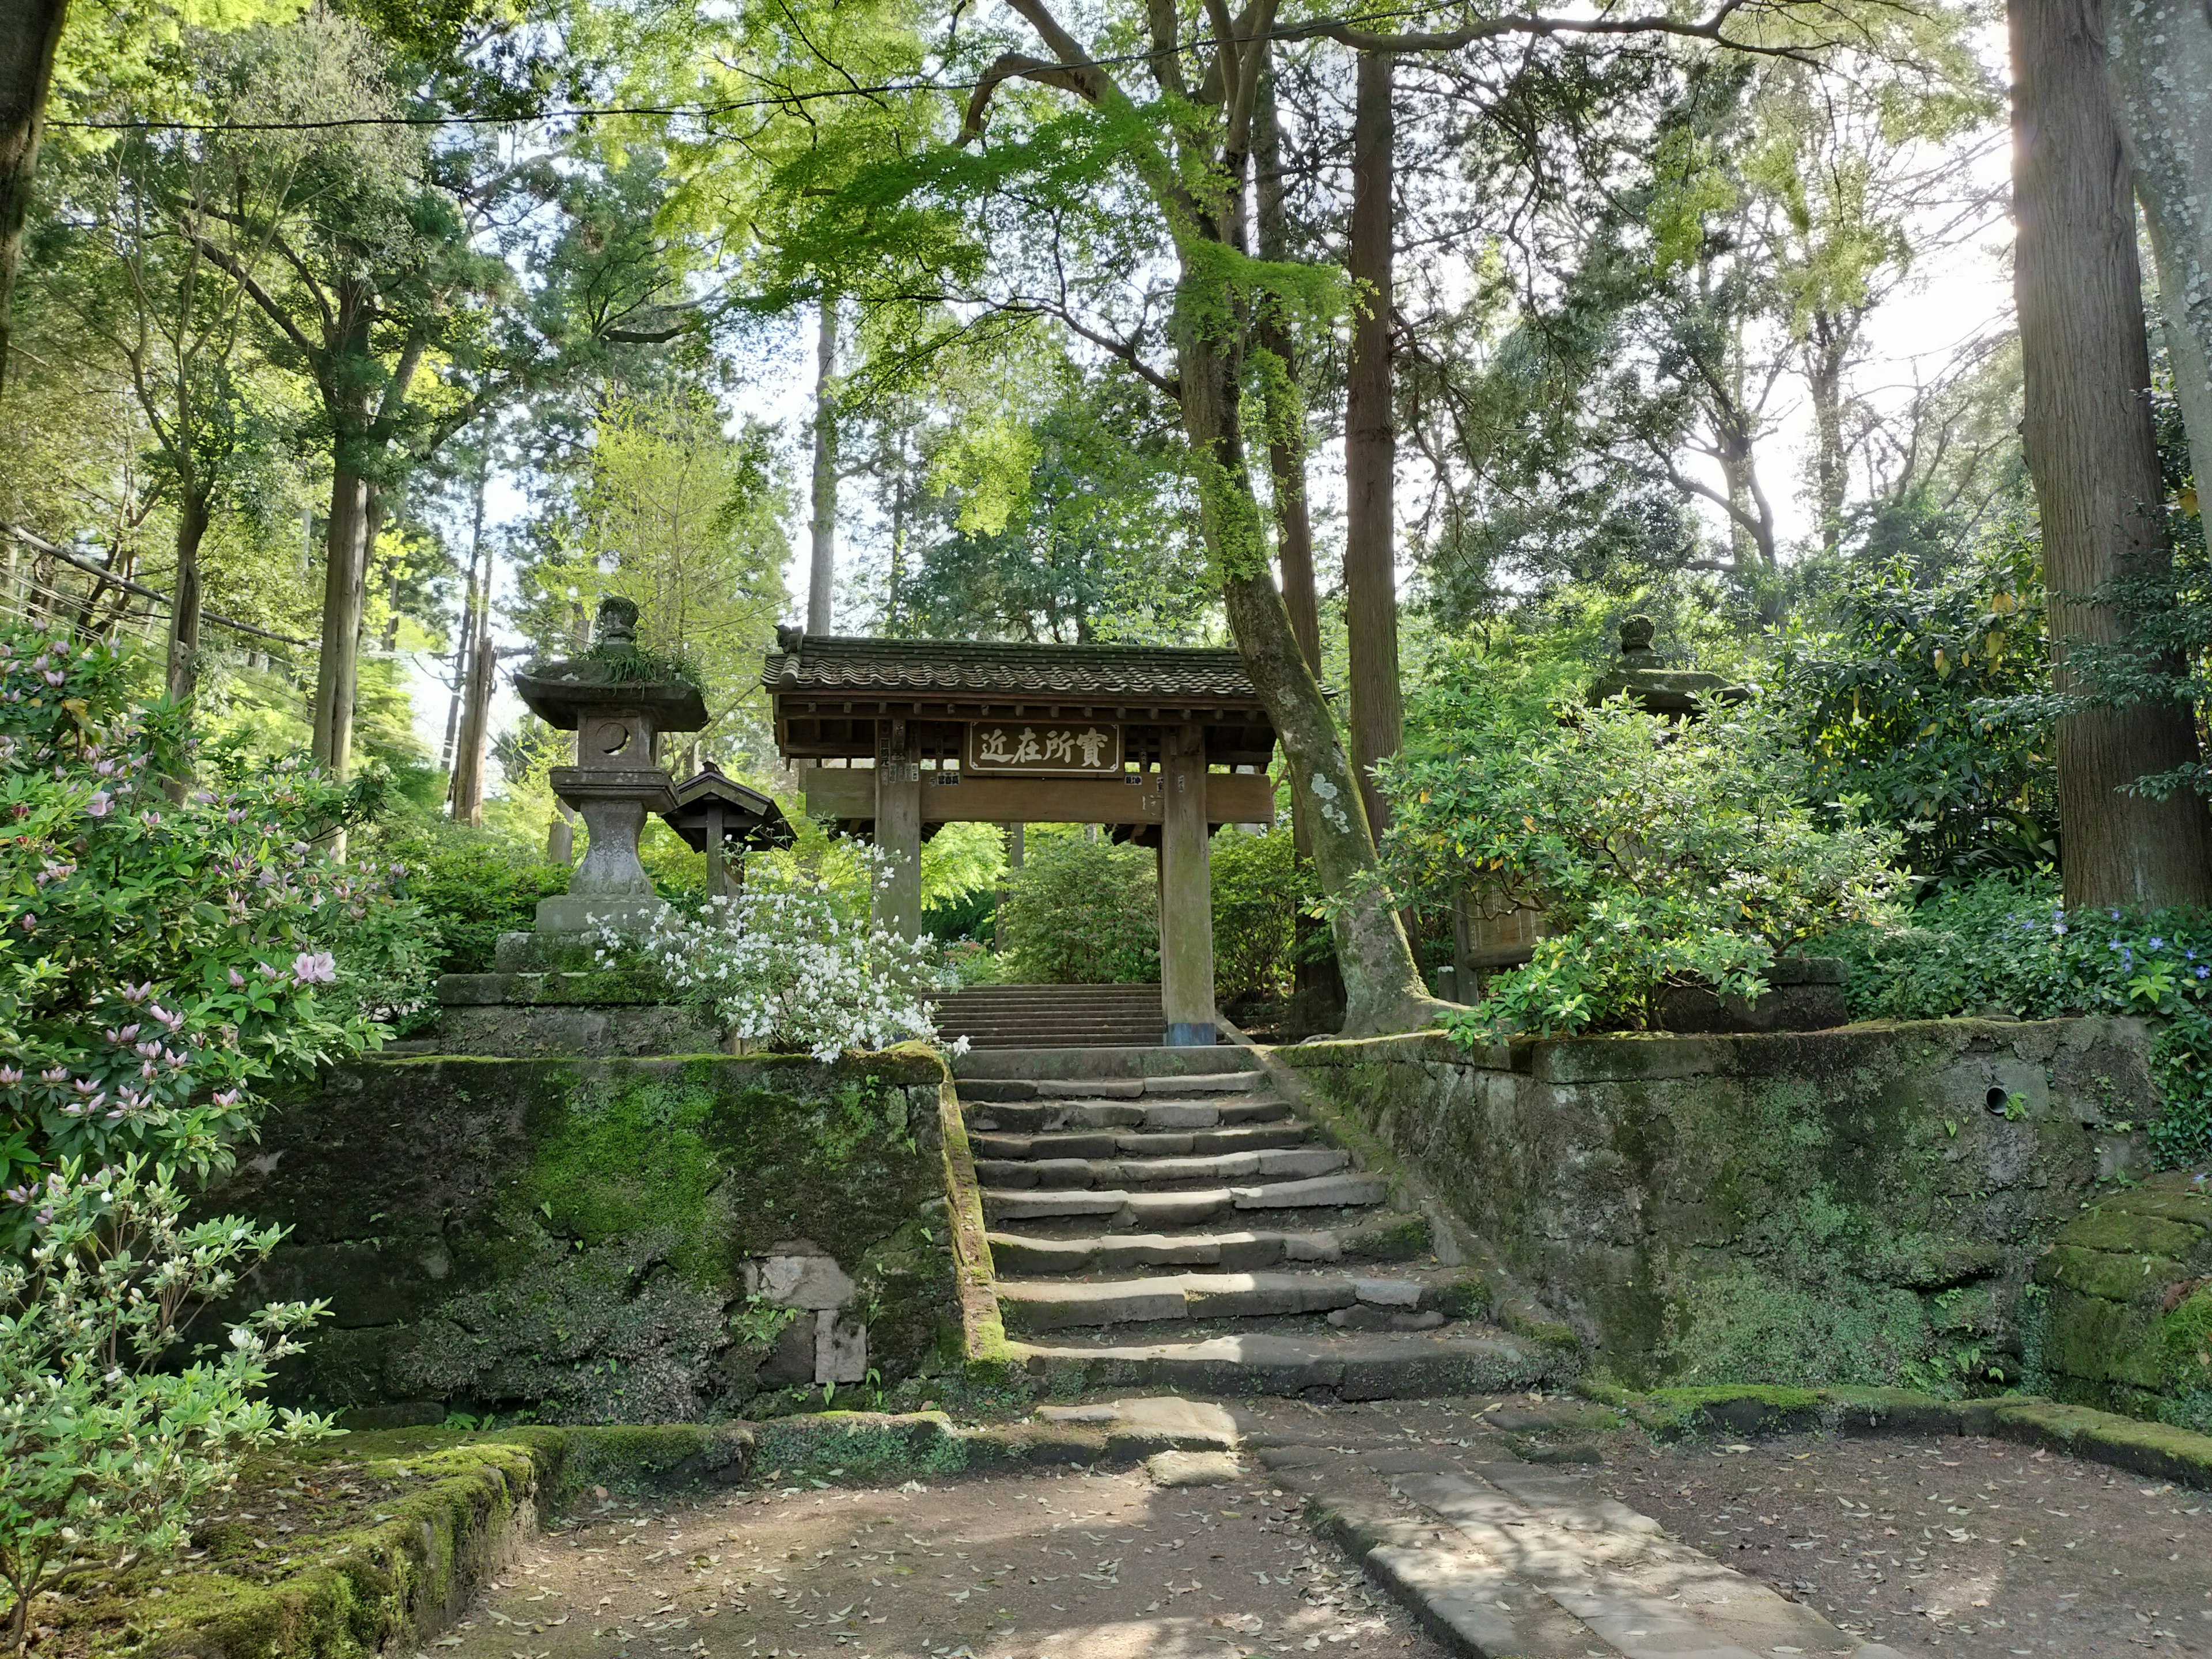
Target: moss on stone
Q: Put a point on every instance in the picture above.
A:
(572, 1237)
(1674, 1414)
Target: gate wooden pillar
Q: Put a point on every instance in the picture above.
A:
(1186, 892)
(898, 832)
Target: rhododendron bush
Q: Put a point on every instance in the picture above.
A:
(160, 959)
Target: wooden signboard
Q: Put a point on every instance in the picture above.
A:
(1043, 748)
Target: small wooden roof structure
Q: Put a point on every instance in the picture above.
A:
(828, 693)
(747, 817)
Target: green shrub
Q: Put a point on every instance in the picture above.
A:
(2005, 945)
(1081, 912)
(1259, 893)
(159, 958)
(1658, 852)
(1900, 700)
(473, 887)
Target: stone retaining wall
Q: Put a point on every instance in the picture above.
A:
(620, 1240)
(1857, 1206)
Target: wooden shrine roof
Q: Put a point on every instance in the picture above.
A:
(993, 674)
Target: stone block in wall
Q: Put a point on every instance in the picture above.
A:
(841, 1348)
(808, 1278)
(2127, 1324)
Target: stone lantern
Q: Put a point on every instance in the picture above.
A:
(618, 710)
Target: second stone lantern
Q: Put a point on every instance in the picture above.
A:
(617, 700)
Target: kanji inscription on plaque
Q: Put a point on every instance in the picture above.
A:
(1085, 749)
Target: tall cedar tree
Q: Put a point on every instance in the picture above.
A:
(2093, 455)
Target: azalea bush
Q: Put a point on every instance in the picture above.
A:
(791, 965)
(106, 1443)
(2005, 945)
(1659, 853)
(161, 960)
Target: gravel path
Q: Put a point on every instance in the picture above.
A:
(1036, 1565)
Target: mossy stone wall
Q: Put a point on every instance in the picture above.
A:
(1858, 1205)
(2127, 1324)
(587, 1239)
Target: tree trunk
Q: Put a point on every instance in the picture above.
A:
(468, 630)
(1824, 379)
(476, 716)
(29, 31)
(2091, 454)
(1286, 413)
(2160, 70)
(184, 665)
(1370, 443)
(344, 551)
(1383, 991)
(1317, 986)
(822, 568)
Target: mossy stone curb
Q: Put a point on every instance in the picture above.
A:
(2157, 1449)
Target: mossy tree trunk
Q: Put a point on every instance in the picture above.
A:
(1200, 192)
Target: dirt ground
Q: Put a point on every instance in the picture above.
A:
(1974, 1548)
(1970, 1547)
(1043, 1564)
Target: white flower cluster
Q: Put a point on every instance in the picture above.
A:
(783, 968)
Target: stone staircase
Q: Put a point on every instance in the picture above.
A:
(1053, 1015)
(1163, 1217)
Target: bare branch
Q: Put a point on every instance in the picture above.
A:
(1711, 27)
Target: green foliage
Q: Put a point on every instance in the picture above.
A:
(160, 959)
(1092, 541)
(1259, 893)
(685, 520)
(1897, 700)
(1658, 852)
(108, 1443)
(470, 887)
(2005, 945)
(1081, 912)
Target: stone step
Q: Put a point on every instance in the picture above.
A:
(1378, 1236)
(1145, 1174)
(1121, 1208)
(1119, 1063)
(1204, 1083)
(1091, 1038)
(1234, 1252)
(1051, 1304)
(1041, 1117)
(1138, 1143)
(1349, 1367)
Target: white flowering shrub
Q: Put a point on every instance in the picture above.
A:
(106, 1444)
(789, 966)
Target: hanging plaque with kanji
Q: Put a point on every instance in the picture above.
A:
(1085, 749)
